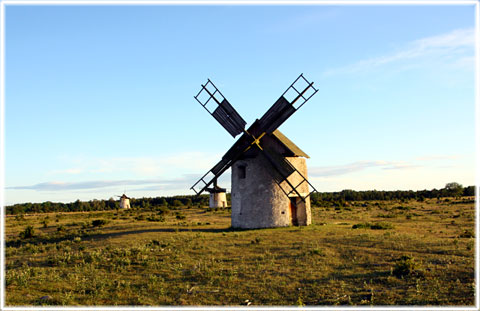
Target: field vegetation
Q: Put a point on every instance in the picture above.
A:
(389, 252)
(452, 189)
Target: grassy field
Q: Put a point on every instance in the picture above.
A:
(364, 253)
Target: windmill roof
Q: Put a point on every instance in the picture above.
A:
(289, 144)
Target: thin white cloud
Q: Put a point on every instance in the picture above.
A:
(455, 47)
(327, 171)
(139, 166)
(136, 174)
(399, 166)
(101, 184)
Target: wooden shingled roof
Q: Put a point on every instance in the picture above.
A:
(289, 144)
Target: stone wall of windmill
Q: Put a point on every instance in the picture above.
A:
(258, 201)
(303, 211)
(124, 202)
(218, 200)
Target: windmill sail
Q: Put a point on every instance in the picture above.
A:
(235, 152)
(282, 170)
(229, 118)
(283, 108)
(279, 168)
(225, 114)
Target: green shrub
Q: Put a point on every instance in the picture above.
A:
(403, 208)
(45, 223)
(375, 226)
(156, 218)
(180, 216)
(99, 222)
(155, 242)
(256, 241)
(162, 210)
(469, 233)
(404, 266)
(28, 233)
(20, 217)
(364, 225)
(382, 226)
(387, 215)
(317, 251)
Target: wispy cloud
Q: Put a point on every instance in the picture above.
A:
(399, 166)
(186, 180)
(101, 184)
(455, 47)
(135, 174)
(138, 166)
(327, 171)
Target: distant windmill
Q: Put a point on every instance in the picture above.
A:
(269, 172)
(124, 201)
(218, 197)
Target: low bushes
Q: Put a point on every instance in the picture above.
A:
(374, 226)
(29, 232)
(404, 266)
(99, 222)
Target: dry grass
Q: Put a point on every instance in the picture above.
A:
(198, 260)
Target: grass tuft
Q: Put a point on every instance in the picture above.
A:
(374, 226)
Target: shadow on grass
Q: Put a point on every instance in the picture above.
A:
(359, 278)
(101, 236)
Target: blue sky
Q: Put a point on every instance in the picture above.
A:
(99, 99)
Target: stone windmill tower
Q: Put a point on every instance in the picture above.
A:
(124, 201)
(269, 172)
(218, 196)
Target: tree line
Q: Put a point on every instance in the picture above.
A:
(450, 190)
(110, 204)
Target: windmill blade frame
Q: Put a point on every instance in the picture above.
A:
(281, 169)
(235, 152)
(224, 113)
(283, 108)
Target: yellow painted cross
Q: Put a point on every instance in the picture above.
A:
(256, 142)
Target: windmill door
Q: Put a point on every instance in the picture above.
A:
(293, 210)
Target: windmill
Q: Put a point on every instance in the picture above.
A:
(124, 201)
(264, 162)
(218, 196)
